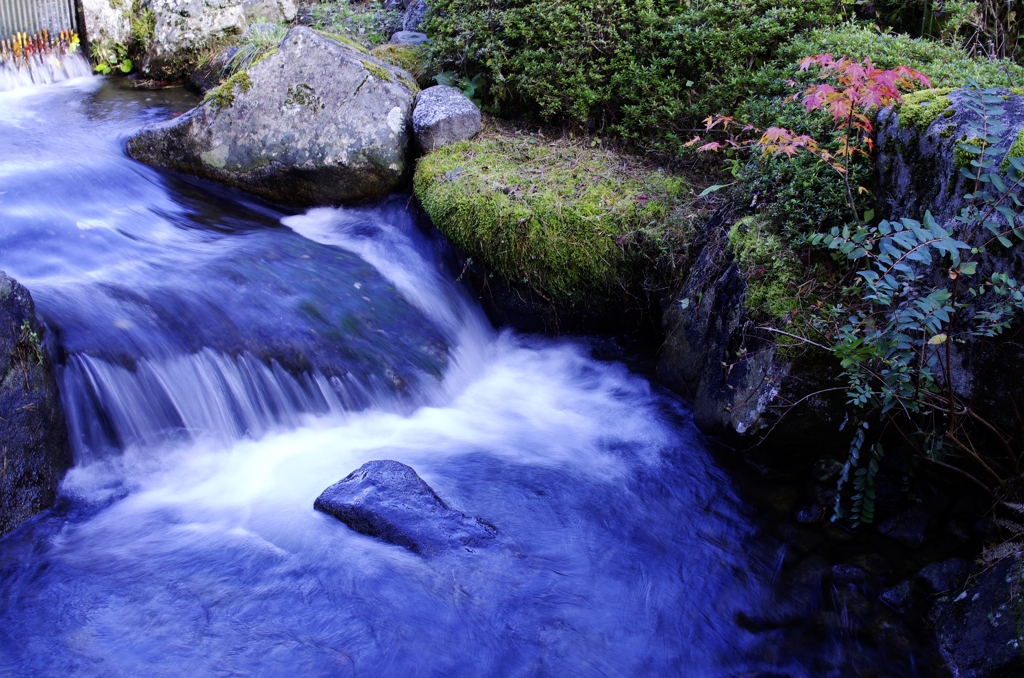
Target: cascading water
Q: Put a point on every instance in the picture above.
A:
(42, 70)
(223, 361)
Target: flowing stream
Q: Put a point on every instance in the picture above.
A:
(223, 361)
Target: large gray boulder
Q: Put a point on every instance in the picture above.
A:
(184, 28)
(276, 11)
(34, 453)
(388, 500)
(443, 116)
(107, 22)
(314, 123)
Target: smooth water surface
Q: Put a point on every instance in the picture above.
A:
(223, 361)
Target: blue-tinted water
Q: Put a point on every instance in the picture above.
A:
(222, 361)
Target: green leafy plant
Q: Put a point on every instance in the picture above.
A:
(111, 57)
(474, 88)
(647, 70)
(896, 346)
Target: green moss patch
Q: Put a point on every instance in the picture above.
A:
(771, 269)
(343, 39)
(566, 218)
(962, 157)
(410, 58)
(377, 71)
(1016, 151)
(224, 96)
(920, 109)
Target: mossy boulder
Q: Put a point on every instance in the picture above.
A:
(924, 168)
(920, 154)
(571, 223)
(34, 454)
(315, 122)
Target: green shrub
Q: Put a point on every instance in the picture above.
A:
(647, 69)
(568, 219)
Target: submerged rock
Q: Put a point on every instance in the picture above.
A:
(388, 500)
(910, 528)
(979, 630)
(944, 577)
(443, 115)
(317, 122)
(34, 453)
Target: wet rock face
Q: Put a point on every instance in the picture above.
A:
(389, 501)
(979, 630)
(443, 115)
(316, 123)
(107, 23)
(716, 357)
(34, 453)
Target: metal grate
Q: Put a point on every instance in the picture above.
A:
(35, 16)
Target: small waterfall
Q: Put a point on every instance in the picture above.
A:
(206, 394)
(42, 69)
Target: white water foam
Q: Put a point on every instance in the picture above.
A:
(42, 69)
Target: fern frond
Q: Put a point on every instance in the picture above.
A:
(1010, 548)
(1016, 528)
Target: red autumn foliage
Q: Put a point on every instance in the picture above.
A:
(852, 92)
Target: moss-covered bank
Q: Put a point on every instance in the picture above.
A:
(569, 219)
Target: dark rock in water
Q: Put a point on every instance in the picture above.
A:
(415, 13)
(978, 630)
(387, 500)
(811, 515)
(906, 598)
(409, 38)
(317, 122)
(443, 115)
(945, 577)
(910, 528)
(34, 453)
(849, 573)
